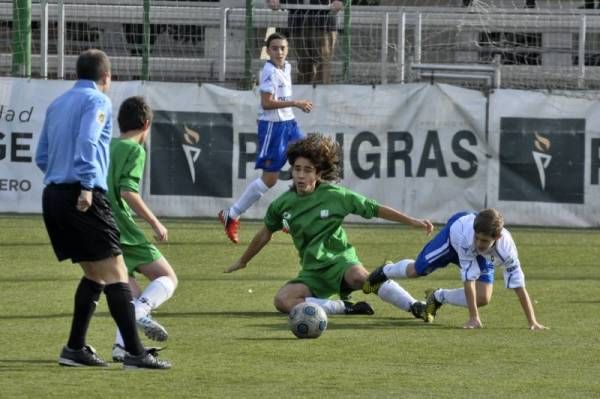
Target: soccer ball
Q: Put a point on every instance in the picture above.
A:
(307, 320)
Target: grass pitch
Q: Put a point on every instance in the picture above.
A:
(227, 341)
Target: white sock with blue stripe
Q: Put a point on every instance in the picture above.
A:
(251, 194)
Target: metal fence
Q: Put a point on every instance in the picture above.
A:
(208, 42)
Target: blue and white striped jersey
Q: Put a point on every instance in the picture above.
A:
(502, 253)
(278, 82)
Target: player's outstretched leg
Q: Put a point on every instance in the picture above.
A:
(231, 225)
(85, 356)
(152, 329)
(432, 305)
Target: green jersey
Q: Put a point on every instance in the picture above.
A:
(315, 223)
(126, 169)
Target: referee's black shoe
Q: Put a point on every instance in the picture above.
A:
(83, 357)
(147, 360)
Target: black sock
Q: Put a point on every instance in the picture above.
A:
(86, 296)
(118, 297)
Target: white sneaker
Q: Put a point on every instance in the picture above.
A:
(152, 329)
(118, 353)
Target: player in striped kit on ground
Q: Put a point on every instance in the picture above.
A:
(476, 242)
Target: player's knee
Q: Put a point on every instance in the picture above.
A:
(270, 179)
(281, 304)
(411, 271)
(356, 277)
(482, 301)
(174, 280)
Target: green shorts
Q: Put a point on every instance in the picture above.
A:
(327, 281)
(138, 255)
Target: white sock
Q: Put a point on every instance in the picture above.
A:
(397, 270)
(454, 297)
(391, 292)
(328, 305)
(119, 339)
(251, 194)
(155, 294)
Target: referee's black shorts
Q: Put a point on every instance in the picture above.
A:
(80, 236)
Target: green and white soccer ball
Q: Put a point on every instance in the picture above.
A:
(307, 320)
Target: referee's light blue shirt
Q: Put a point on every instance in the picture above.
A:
(75, 138)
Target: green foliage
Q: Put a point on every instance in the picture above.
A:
(228, 342)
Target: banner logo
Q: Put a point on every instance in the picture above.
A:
(191, 154)
(542, 160)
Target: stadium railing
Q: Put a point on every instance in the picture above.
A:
(205, 42)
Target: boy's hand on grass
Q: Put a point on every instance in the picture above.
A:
(236, 266)
(473, 323)
(535, 326)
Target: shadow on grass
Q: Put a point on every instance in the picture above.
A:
(9, 362)
(291, 338)
(232, 279)
(27, 365)
(47, 316)
(363, 323)
(379, 325)
(217, 242)
(25, 244)
(185, 277)
(246, 314)
(335, 322)
(40, 279)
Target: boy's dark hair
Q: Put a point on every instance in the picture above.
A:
(274, 36)
(323, 152)
(92, 64)
(133, 113)
(489, 222)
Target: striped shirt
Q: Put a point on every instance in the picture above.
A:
(278, 82)
(502, 253)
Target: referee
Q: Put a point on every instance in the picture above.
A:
(73, 154)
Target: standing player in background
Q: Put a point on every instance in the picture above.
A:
(476, 243)
(312, 212)
(277, 128)
(73, 154)
(313, 33)
(127, 159)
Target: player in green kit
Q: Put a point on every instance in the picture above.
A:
(127, 159)
(312, 212)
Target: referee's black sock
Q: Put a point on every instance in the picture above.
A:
(119, 299)
(86, 297)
